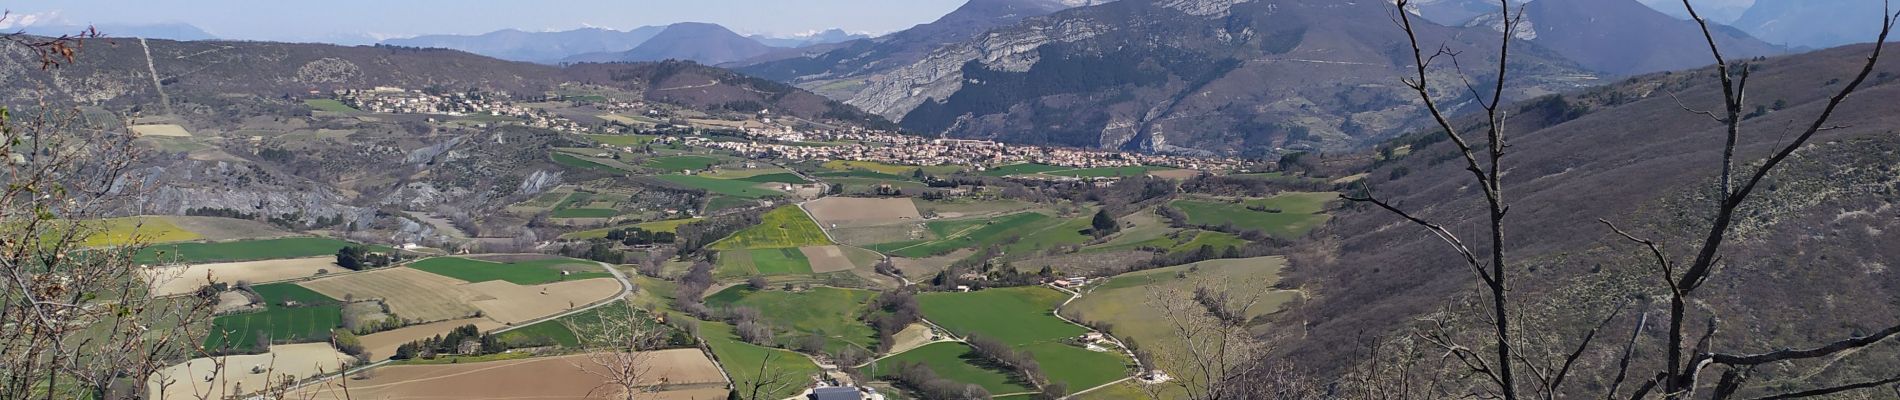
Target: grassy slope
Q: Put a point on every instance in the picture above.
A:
(1023, 317)
(831, 311)
(1124, 300)
(1299, 213)
(742, 360)
(964, 233)
(956, 362)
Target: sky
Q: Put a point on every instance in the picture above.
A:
(295, 20)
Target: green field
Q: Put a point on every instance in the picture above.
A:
(128, 230)
(1024, 317)
(1108, 172)
(1299, 213)
(890, 169)
(745, 263)
(520, 273)
(1023, 169)
(654, 226)
(569, 160)
(681, 163)
(245, 250)
(331, 106)
(956, 362)
(1068, 232)
(301, 324)
(964, 233)
(585, 213)
(281, 294)
(743, 360)
(557, 330)
(729, 187)
(784, 227)
(1127, 301)
(1216, 240)
(621, 140)
(859, 173)
(783, 177)
(832, 312)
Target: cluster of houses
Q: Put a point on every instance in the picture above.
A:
(394, 100)
(891, 148)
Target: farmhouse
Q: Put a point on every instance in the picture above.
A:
(835, 393)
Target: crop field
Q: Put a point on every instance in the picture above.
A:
(743, 360)
(572, 161)
(1023, 169)
(628, 119)
(675, 374)
(220, 229)
(873, 235)
(383, 344)
(957, 362)
(124, 231)
(734, 188)
(557, 330)
(282, 324)
(1126, 300)
(825, 259)
(514, 304)
(168, 130)
(299, 360)
(620, 140)
(244, 250)
(1298, 214)
(520, 273)
(410, 293)
(585, 213)
(849, 212)
(744, 263)
(783, 177)
(1023, 317)
(859, 173)
(182, 279)
(682, 163)
(962, 234)
(827, 311)
(331, 106)
(966, 208)
(785, 227)
(286, 294)
(890, 169)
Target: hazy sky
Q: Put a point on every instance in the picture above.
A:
(314, 20)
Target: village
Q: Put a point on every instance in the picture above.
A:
(771, 138)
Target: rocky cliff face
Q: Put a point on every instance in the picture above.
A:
(1187, 76)
(940, 74)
